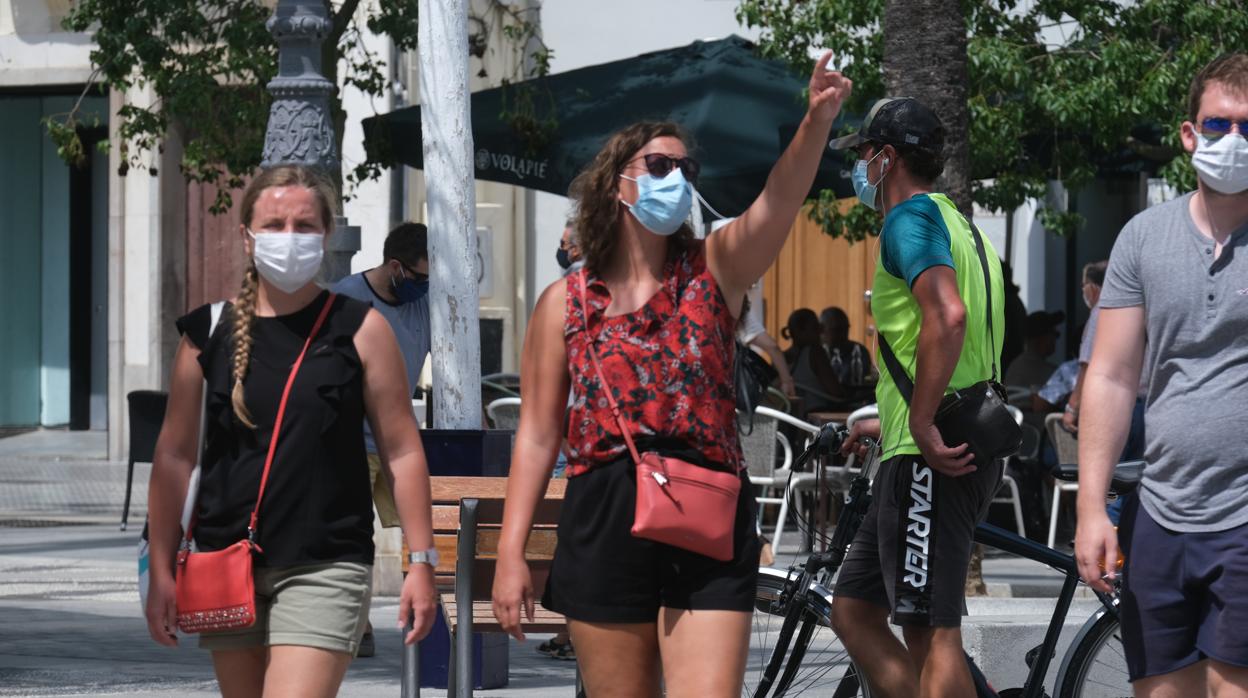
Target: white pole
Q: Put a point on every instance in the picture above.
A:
(453, 294)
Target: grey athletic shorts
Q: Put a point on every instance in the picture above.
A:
(912, 551)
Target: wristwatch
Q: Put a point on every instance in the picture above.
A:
(424, 557)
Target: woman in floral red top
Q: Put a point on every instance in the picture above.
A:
(660, 308)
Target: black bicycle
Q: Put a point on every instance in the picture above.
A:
(795, 651)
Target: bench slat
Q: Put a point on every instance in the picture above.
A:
(453, 489)
(483, 620)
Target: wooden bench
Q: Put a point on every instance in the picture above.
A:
(467, 524)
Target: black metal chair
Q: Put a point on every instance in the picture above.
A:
(147, 412)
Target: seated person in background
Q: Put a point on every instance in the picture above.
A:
(850, 360)
(817, 384)
(1032, 368)
(752, 333)
(1056, 390)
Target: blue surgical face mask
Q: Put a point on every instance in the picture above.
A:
(408, 290)
(866, 191)
(662, 204)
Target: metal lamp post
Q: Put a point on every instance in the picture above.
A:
(301, 129)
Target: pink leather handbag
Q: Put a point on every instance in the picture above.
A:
(678, 503)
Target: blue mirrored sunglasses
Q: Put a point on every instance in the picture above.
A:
(1217, 126)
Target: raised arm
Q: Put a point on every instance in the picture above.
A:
(388, 404)
(544, 385)
(1112, 382)
(740, 253)
(172, 463)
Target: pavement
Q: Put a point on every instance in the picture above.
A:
(70, 623)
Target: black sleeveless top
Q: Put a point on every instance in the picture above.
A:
(317, 505)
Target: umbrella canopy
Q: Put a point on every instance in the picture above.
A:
(741, 111)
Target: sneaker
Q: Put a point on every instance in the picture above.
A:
(557, 650)
(368, 645)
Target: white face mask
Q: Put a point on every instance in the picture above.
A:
(1222, 162)
(288, 260)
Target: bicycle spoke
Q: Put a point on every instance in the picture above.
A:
(822, 668)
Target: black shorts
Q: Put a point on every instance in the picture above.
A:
(913, 549)
(602, 574)
(1182, 595)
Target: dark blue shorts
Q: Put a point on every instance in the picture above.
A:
(1185, 595)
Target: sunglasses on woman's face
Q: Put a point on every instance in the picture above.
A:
(660, 165)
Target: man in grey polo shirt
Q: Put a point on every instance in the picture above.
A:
(1178, 277)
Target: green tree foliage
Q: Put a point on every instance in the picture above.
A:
(207, 62)
(1059, 89)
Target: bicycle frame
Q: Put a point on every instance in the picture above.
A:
(1015, 544)
(823, 565)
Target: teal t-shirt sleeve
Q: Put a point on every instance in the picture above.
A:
(915, 239)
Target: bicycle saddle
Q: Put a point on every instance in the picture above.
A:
(1126, 475)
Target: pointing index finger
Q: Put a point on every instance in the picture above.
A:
(822, 65)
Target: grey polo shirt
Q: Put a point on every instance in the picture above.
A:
(1195, 364)
(410, 322)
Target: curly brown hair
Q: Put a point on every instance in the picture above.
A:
(596, 192)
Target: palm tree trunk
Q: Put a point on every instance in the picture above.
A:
(925, 58)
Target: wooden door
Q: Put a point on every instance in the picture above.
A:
(817, 271)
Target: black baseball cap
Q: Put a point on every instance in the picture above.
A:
(1041, 323)
(900, 122)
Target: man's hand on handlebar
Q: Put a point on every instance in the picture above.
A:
(856, 441)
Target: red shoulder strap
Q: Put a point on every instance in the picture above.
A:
(602, 377)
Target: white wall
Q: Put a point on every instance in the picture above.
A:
(589, 32)
(370, 202)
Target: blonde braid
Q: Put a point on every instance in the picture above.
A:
(244, 316)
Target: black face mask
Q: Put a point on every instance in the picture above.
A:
(563, 258)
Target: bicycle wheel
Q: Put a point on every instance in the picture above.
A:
(815, 664)
(1096, 667)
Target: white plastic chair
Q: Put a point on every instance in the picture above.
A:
(504, 413)
(758, 446)
(760, 462)
(1008, 492)
(1067, 452)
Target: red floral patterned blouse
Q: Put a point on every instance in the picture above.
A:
(669, 365)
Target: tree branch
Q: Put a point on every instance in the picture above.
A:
(342, 18)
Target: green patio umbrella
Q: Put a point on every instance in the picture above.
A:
(741, 110)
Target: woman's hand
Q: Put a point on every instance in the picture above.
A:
(828, 90)
(513, 591)
(418, 601)
(162, 610)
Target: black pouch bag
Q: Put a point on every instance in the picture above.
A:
(751, 376)
(978, 414)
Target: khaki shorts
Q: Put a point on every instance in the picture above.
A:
(322, 606)
(383, 498)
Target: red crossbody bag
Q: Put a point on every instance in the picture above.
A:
(678, 503)
(216, 590)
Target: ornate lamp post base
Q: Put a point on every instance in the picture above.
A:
(300, 129)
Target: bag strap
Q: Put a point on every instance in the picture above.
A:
(905, 385)
(602, 376)
(188, 505)
(983, 264)
(277, 424)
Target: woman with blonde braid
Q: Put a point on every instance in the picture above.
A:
(313, 571)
